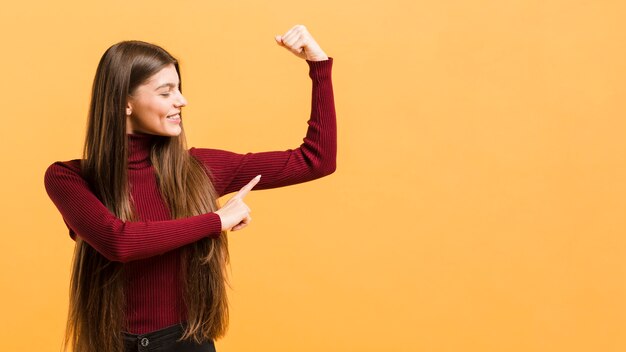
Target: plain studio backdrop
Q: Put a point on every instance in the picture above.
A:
(480, 195)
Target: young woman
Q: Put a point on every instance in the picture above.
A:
(151, 239)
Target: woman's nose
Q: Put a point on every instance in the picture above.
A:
(181, 100)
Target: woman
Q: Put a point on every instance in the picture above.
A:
(151, 239)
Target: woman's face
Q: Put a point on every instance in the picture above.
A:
(154, 107)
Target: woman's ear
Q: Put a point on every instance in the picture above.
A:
(129, 109)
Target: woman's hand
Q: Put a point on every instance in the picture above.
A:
(301, 43)
(235, 214)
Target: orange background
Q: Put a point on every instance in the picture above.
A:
(480, 197)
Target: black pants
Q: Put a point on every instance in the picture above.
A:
(164, 340)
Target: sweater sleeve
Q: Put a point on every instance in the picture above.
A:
(314, 158)
(119, 240)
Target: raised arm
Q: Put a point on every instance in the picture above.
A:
(314, 158)
(119, 240)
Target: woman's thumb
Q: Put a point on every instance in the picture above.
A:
(279, 40)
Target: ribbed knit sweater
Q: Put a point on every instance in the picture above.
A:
(151, 247)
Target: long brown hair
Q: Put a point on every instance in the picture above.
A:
(96, 311)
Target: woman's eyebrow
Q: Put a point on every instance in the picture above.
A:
(171, 85)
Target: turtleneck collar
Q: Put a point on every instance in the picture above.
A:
(139, 146)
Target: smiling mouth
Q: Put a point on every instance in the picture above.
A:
(174, 117)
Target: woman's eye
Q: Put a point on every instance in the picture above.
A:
(165, 94)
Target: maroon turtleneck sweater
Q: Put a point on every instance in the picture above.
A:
(151, 248)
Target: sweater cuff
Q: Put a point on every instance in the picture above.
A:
(213, 224)
(320, 69)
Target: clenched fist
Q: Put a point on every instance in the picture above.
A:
(299, 41)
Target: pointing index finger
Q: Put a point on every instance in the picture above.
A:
(247, 188)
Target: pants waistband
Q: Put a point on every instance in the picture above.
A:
(165, 339)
